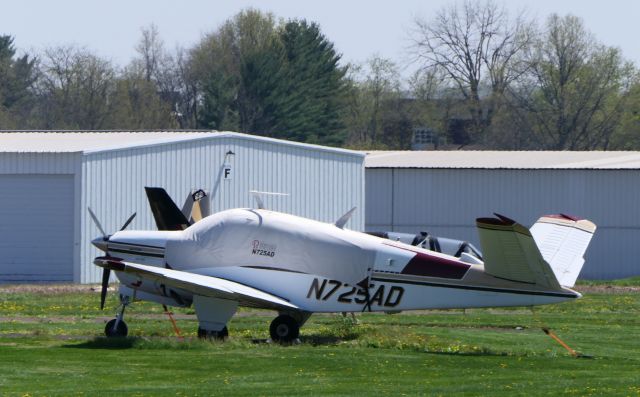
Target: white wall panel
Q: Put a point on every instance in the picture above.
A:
(447, 201)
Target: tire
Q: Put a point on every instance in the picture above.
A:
(213, 335)
(284, 329)
(119, 332)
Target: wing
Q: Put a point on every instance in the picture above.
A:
(198, 284)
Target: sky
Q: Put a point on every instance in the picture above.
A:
(358, 28)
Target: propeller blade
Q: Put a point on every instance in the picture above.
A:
(128, 221)
(105, 284)
(96, 221)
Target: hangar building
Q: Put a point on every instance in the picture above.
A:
(443, 192)
(47, 181)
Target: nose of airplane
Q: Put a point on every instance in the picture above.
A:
(100, 243)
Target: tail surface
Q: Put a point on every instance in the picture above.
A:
(195, 208)
(510, 252)
(550, 254)
(165, 212)
(563, 241)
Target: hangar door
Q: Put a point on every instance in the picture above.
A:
(36, 228)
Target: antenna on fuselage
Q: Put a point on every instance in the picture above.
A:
(256, 195)
(345, 218)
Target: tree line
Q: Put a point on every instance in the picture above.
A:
(485, 79)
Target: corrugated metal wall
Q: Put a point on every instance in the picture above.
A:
(37, 229)
(38, 163)
(321, 184)
(446, 202)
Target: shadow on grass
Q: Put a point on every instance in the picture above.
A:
(321, 340)
(150, 343)
(483, 353)
(106, 343)
(316, 339)
(312, 340)
(136, 342)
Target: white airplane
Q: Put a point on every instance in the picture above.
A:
(258, 258)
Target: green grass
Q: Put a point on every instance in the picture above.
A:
(625, 282)
(51, 344)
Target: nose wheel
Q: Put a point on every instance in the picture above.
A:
(284, 329)
(117, 328)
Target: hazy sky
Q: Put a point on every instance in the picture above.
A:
(358, 28)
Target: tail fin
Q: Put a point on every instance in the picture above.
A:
(562, 241)
(510, 252)
(195, 208)
(165, 211)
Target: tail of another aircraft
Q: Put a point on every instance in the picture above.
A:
(195, 208)
(550, 254)
(168, 216)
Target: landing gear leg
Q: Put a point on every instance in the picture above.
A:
(117, 327)
(213, 315)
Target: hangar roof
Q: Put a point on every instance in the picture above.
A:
(503, 159)
(100, 141)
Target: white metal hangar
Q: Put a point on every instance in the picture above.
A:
(443, 192)
(49, 179)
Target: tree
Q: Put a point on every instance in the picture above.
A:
(575, 89)
(435, 104)
(312, 97)
(220, 64)
(627, 135)
(378, 85)
(136, 104)
(151, 51)
(478, 48)
(74, 89)
(17, 78)
(378, 116)
(275, 80)
(185, 84)
(167, 72)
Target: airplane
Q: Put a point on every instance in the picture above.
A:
(254, 257)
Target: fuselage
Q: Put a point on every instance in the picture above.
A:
(318, 266)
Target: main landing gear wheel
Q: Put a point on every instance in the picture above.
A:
(213, 335)
(113, 331)
(284, 329)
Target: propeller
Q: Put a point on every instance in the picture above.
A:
(365, 285)
(128, 221)
(102, 244)
(97, 222)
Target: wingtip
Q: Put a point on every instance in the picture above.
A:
(501, 222)
(569, 220)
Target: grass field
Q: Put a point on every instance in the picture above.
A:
(51, 344)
